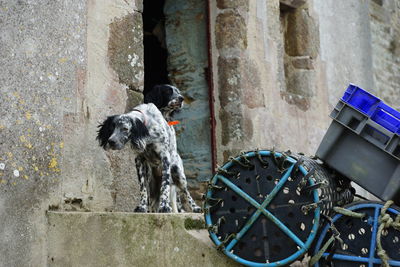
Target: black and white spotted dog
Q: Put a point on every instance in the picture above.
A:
(167, 98)
(159, 166)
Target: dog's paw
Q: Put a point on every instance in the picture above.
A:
(165, 209)
(140, 209)
(196, 209)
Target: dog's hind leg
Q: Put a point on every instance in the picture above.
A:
(165, 202)
(180, 179)
(141, 169)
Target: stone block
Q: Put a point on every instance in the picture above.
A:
(239, 87)
(378, 12)
(301, 102)
(230, 97)
(302, 62)
(378, 2)
(138, 5)
(232, 125)
(134, 98)
(301, 35)
(125, 50)
(239, 81)
(293, 3)
(230, 30)
(253, 91)
(224, 4)
(300, 82)
(229, 80)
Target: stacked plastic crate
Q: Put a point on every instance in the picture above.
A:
(363, 143)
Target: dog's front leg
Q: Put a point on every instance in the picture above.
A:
(142, 177)
(165, 202)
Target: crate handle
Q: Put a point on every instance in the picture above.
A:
(389, 111)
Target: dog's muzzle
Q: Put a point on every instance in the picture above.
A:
(177, 102)
(114, 145)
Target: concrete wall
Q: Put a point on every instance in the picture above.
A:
(65, 66)
(345, 46)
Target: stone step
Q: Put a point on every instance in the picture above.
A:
(130, 239)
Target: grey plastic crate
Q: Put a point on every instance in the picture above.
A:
(363, 151)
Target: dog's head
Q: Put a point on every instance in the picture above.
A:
(117, 130)
(167, 98)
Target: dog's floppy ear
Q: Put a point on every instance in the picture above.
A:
(157, 96)
(139, 133)
(106, 130)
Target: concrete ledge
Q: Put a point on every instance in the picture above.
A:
(130, 239)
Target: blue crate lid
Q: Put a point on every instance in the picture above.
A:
(373, 107)
(360, 99)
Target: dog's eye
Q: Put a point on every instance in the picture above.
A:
(125, 129)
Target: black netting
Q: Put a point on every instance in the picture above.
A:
(293, 205)
(358, 237)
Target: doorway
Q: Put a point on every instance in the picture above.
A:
(175, 52)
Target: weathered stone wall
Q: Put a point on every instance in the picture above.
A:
(385, 37)
(282, 65)
(113, 79)
(268, 82)
(65, 66)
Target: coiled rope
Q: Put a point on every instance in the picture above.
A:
(385, 221)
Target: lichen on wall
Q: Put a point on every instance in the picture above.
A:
(43, 48)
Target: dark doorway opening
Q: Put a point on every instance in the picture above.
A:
(175, 52)
(155, 51)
